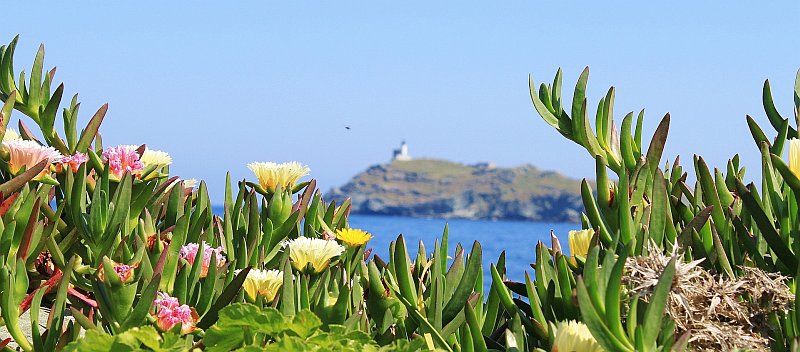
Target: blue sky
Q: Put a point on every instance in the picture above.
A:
(219, 85)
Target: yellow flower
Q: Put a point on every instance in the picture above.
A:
(155, 157)
(353, 237)
(572, 336)
(794, 156)
(24, 153)
(579, 242)
(312, 254)
(270, 175)
(264, 283)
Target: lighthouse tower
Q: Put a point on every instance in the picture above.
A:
(401, 154)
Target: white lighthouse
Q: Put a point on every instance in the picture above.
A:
(402, 153)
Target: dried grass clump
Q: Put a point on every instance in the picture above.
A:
(720, 314)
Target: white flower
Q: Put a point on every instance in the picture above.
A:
(11, 135)
(270, 175)
(25, 153)
(190, 183)
(579, 242)
(264, 283)
(312, 254)
(155, 157)
(572, 336)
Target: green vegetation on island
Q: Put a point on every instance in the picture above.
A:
(445, 189)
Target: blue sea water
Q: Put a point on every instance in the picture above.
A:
(517, 238)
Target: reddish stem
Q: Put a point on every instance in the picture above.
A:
(82, 297)
(48, 286)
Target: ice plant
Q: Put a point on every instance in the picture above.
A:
(270, 175)
(124, 272)
(189, 253)
(572, 336)
(73, 161)
(264, 283)
(155, 240)
(612, 193)
(353, 237)
(11, 135)
(169, 313)
(312, 254)
(121, 159)
(190, 183)
(25, 153)
(579, 242)
(155, 157)
(794, 156)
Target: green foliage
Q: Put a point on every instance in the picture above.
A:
(243, 326)
(145, 338)
(140, 261)
(721, 220)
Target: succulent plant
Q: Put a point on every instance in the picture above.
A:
(719, 223)
(139, 260)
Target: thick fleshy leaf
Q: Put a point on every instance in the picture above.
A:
(20, 180)
(91, 129)
(771, 236)
(772, 113)
(225, 298)
(657, 143)
(465, 285)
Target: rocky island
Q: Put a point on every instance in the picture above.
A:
(445, 189)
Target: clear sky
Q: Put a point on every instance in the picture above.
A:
(220, 84)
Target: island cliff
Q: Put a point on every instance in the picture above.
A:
(444, 189)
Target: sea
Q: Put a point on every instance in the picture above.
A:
(517, 238)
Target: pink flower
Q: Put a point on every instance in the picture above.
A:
(74, 161)
(124, 271)
(164, 300)
(121, 159)
(189, 253)
(169, 312)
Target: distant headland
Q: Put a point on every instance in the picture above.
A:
(445, 189)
